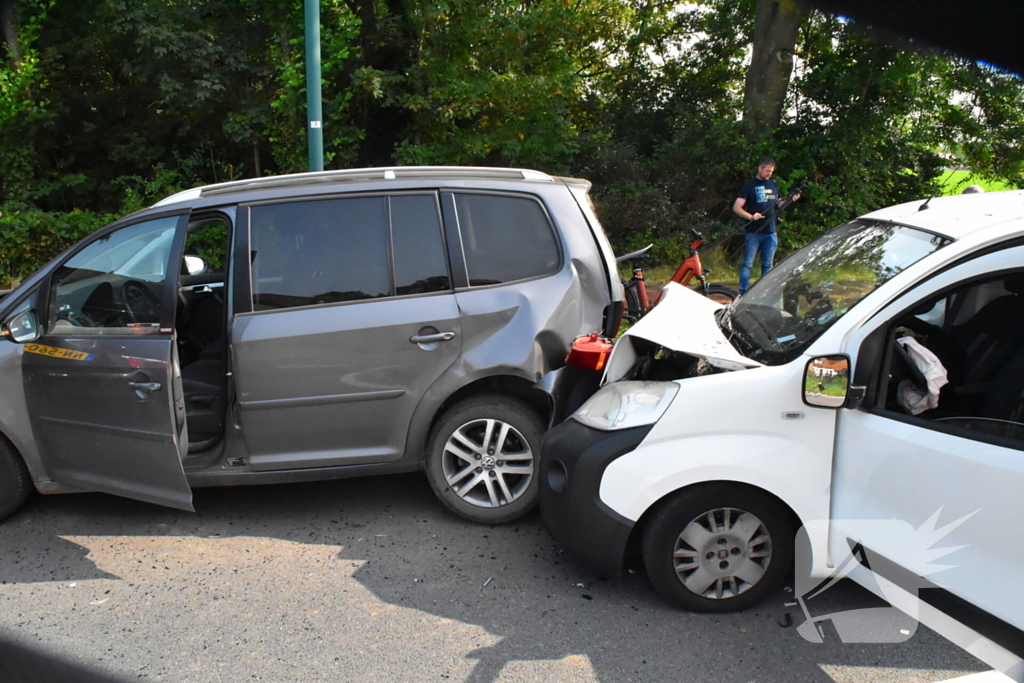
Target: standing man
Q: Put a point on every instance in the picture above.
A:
(756, 201)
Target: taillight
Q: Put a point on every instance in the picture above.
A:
(589, 352)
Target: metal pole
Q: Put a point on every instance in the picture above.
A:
(314, 104)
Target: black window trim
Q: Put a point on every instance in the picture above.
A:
(243, 279)
(451, 192)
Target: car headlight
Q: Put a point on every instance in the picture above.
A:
(622, 405)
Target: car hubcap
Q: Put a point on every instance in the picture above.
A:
(722, 553)
(487, 463)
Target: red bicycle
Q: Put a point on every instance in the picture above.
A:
(637, 300)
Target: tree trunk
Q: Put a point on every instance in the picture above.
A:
(776, 25)
(9, 30)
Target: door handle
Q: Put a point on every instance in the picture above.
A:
(428, 338)
(145, 386)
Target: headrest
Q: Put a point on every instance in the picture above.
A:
(1014, 284)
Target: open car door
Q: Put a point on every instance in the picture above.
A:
(101, 382)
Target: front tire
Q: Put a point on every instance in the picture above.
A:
(483, 456)
(15, 485)
(718, 548)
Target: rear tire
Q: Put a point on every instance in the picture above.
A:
(483, 458)
(718, 548)
(15, 485)
(723, 294)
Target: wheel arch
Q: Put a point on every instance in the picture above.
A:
(36, 470)
(640, 527)
(503, 384)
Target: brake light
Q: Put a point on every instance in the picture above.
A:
(589, 352)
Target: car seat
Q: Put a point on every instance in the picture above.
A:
(204, 385)
(975, 351)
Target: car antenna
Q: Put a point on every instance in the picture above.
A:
(943, 185)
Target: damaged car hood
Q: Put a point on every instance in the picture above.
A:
(682, 321)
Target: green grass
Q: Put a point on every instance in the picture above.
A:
(954, 182)
(834, 386)
(716, 260)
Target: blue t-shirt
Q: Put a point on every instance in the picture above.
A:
(761, 195)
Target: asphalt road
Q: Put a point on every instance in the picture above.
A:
(372, 580)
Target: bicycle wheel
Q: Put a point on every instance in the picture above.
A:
(723, 294)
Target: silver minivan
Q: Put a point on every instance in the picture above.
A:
(307, 327)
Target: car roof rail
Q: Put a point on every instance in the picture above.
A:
(357, 174)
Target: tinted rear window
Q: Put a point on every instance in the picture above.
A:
(420, 263)
(505, 238)
(317, 252)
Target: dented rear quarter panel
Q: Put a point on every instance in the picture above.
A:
(524, 329)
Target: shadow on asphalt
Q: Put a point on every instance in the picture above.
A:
(510, 580)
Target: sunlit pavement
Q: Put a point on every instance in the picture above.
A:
(371, 580)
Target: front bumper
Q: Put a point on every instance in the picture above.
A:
(574, 458)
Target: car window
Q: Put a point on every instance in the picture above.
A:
(978, 345)
(418, 245)
(505, 238)
(206, 240)
(114, 285)
(319, 252)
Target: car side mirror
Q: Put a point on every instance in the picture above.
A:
(195, 265)
(22, 327)
(827, 381)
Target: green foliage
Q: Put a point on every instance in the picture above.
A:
(117, 103)
(954, 182)
(31, 238)
(23, 111)
(141, 192)
(286, 126)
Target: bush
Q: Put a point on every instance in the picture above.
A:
(30, 239)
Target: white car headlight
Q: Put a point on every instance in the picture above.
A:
(622, 405)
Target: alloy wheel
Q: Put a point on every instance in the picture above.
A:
(488, 463)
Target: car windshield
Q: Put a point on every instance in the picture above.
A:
(805, 294)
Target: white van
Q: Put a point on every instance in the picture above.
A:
(721, 431)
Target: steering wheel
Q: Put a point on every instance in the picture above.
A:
(140, 304)
(914, 373)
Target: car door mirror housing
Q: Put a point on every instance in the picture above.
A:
(21, 328)
(827, 382)
(195, 265)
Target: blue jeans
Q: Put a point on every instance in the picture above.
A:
(765, 242)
